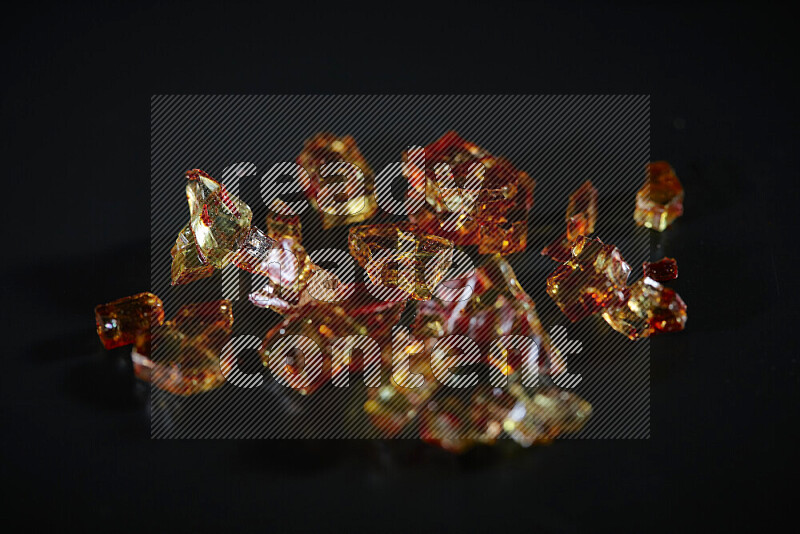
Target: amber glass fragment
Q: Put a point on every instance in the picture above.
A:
(358, 200)
(465, 186)
(581, 217)
(663, 270)
(593, 278)
(220, 221)
(182, 356)
(119, 321)
(495, 306)
(324, 323)
(650, 309)
(503, 237)
(660, 201)
(401, 256)
(187, 265)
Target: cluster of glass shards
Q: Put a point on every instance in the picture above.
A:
(471, 197)
(468, 197)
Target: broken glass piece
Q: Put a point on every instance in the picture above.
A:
(496, 306)
(464, 186)
(358, 200)
(182, 356)
(660, 201)
(401, 256)
(650, 309)
(187, 265)
(581, 217)
(663, 270)
(119, 321)
(220, 221)
(595, 277)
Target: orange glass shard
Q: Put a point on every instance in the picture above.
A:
(464, 186)
(119, 321)
(457, 423)
(502, 237)
(187, 265)
(541, 415)
(650, 309)
(401, 256)
(220, 221)
(582, 211)
(182, 356)
(355, 200)
(323, 324)
(392, 407)
(282, 222)
(660, 201)
(581, 217)
(663, 270)
(496, 306)
(595, 277)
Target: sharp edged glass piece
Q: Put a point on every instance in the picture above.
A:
(119, 321)
(660, 201)
(595, 277)
(663, 270)
(650, 309)
(355, 201)
(182, 356)
(187, 265)
(401, 256)
(220, 221)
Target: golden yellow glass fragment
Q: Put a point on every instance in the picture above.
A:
(595, 277)
(220, 221)
(660, 201)
(650, 309)
(182, 356)
(401, 256)
(497, 306)
(119, 321)
(356, 200)
(503, 237)
(187, 266)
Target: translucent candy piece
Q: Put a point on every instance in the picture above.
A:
(392, 407)
(582, 211)
(541, 415)
(595, 277)
(663, 270)
(496, 306)
(287, 270)
(358, 201)
(401, 256)
(503, 237)
(253, 250)
(464, 186)
(457, 421)
(187, 265)
(119, 321)
(282, 222)
(220, 221)
(650, 309)
(660, 201)
(323, 323)
(182, 356)
(581, 217)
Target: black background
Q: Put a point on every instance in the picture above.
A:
(76, 85)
